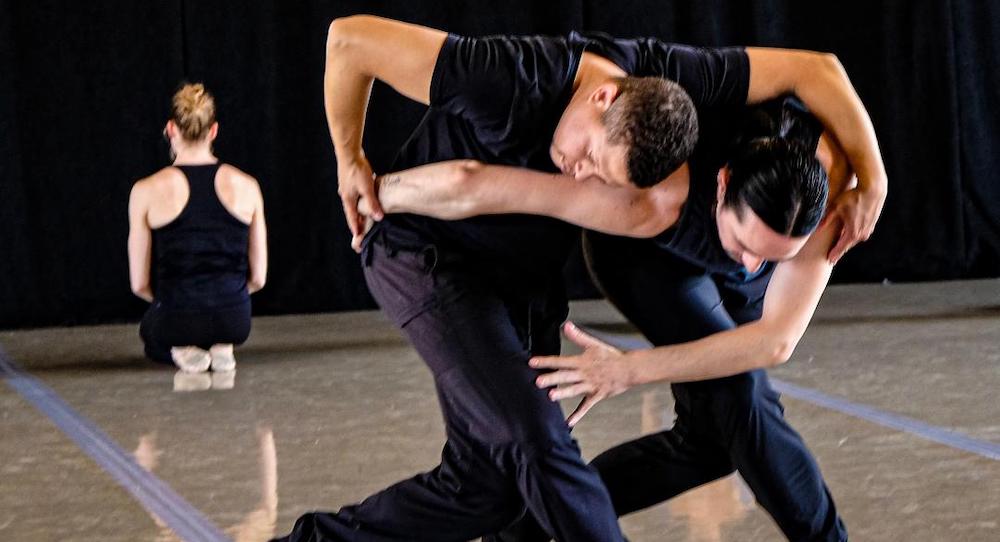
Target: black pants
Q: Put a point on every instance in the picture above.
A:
(163, 328)
(735, 423)
(507, 444)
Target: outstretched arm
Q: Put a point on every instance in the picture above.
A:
(793, 293)
(821, 82)
(359, 50)
(463, 188)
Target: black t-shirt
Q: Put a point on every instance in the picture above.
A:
(498, 100)
(695, 236)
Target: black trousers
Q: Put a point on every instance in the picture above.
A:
(735, 423)
(163, 328)
(508, 444)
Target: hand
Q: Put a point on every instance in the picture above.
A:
(858, 211)
(355, 180)
(356, 240)
(597, 373)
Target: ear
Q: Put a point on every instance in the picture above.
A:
(604, 95)
(723, 182)
(213, 132)
(170, 129)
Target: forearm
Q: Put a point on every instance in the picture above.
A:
(745, 348)
(821, 82)
(460, 189)
(830, 95)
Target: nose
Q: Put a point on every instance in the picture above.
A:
(752, 263)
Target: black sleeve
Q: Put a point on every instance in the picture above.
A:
(487, 80)
(714, 77)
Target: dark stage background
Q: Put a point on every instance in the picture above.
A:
(84, 90)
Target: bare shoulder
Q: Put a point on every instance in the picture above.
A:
(239, 179)
(161, 181)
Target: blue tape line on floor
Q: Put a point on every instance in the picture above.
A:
(155, 495)
(895, 421)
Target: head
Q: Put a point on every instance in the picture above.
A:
(771, 196)
(192, 121)
(627, 131)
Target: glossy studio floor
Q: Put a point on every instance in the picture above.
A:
(896, 389)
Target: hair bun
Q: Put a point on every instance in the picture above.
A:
(193, 110)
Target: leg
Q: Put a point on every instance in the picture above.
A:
(149, 331)
(738, 418)
(507, 442)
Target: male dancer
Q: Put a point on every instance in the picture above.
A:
(754, 195)
(477, 297)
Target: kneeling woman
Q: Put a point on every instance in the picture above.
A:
(202, 223)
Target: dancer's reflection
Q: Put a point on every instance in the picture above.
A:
(705, 509)
(260, 523)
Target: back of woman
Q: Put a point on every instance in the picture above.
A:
(201, 255)
(200, 226)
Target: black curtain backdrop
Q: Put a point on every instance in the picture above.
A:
(85, 87)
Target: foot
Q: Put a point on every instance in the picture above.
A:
(223, 358)
(191, 359)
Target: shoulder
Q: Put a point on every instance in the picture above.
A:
(238, 179)
(162, 180)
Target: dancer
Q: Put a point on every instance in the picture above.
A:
(206, 222)
(478, 297)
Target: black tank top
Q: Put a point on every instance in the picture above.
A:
(695, 236)
(201, 256)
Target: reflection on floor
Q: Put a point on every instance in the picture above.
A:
(326, 409)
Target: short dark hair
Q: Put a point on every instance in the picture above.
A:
(781, 181)
(658, 122)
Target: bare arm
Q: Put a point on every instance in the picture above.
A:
(791, 298)
(820, 81)
(258, 245)
(140, 243)
(463, 188)
(359, 50)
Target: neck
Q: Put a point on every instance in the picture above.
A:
(201, 154)
(593, 71)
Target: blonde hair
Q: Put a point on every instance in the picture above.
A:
(193, 111)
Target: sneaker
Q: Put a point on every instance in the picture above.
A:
(223, 359)
(191, 359)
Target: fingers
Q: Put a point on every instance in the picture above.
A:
(581, 338)
(368, 192)
(582, 409)
(554, 362)
(565, 376)
(351, 213)
(558, 394)
(844, 243)
(356, 243)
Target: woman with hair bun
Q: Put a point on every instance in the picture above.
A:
(200, 224)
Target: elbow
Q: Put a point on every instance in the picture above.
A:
(256, 282)
(830, 63)
(463, 172)
(142, 290)
(781, 351)
(462, 185)
(343, 31)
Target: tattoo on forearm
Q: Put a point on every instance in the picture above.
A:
(388, 181)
